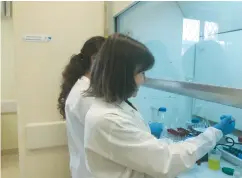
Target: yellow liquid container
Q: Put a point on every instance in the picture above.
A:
(214, 164)
(214, 160)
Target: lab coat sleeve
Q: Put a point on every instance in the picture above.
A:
(121, 141)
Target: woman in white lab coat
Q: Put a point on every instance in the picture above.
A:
(73, 107)
(118, 144)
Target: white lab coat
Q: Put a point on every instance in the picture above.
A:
(118, 144)
(76, 108)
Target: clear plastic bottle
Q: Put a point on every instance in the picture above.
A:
(175, 121)
(156, 125)
(162, 111)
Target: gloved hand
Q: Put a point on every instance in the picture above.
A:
(226, 125)
(156, 129)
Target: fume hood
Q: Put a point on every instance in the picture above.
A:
(197, 48)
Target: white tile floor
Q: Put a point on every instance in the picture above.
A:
(10, 166)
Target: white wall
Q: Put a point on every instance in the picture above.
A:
(0, 88)
(8, 86)
(38, 73)
(7, 60)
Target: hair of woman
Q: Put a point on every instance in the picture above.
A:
(118, 61)
(78, 66)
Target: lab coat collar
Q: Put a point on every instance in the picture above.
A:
(85, 79)
(125, 106)
(135, 115)
(121, 105)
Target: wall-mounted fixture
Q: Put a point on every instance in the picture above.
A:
(8, 106)
(6, 8)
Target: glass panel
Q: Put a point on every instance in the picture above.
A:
(191, 41)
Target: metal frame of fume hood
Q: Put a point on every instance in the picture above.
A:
(217, 94)
(115, 18)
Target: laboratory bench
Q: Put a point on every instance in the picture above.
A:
(203, 171)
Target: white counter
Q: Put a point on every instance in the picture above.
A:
(203, 171)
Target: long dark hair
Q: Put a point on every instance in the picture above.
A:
(78, 66)
(112, 74)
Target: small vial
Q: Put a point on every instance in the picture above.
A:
(238, 172)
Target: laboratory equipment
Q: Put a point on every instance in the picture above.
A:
(188, 78)
(199, 125)
(184, 131)
(173, 134)
(161, 113)
(240, 141)
(176, 135)
(189, 125)
(231, 150)
(228, 171)
(223, 95)
(164, 134)
(158, 117)
(206, 123)
(234, 151)
(238, 172)
(214, 159)
(195, 122)
(232, 155)
(175, 121)
(173, 130)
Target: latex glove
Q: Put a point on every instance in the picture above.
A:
(227, 125)
(156, 129)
